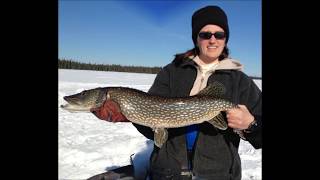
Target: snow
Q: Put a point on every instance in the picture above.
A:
(89, 146)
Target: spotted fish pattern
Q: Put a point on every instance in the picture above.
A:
(156, 112)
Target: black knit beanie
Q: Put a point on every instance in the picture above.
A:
(209, 15)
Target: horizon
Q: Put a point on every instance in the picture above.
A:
(135, 66)
(150, 33)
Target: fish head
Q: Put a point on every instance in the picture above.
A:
(85, 100)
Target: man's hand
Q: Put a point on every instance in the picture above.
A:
(239, 118)
(109, 111)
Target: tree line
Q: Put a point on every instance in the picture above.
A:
(71, 64)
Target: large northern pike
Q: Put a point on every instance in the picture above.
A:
(157, 112)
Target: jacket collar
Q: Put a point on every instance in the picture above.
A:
(227, 64)
(188, 62)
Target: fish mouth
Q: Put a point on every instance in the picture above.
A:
(74, 108)
(72, 101)
(64, 106)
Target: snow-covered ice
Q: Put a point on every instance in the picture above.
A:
(89, 146)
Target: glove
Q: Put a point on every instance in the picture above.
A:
(109, 111)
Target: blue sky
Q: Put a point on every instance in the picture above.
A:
(150, 33)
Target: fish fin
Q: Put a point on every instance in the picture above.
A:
(160, 136)
(219, 122)
(215, 89)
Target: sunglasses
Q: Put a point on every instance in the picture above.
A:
(208, 35)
